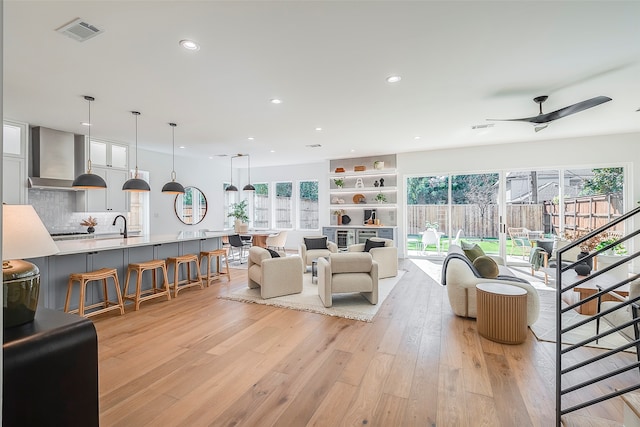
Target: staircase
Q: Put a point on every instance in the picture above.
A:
(571, 372)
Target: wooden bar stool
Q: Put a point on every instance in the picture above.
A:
(188, 281)
(83, 278)
(139, 295)
(217, 254)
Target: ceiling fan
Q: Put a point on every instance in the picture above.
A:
(542, 120)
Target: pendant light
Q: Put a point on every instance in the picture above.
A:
(136, 184)
(248, 187)
(231, 187)
(173, 187)
(89, 181)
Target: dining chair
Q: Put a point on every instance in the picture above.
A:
(238, 247)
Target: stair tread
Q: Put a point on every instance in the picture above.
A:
(574, 420)
(633, 402)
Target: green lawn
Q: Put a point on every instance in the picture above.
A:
(488, 245)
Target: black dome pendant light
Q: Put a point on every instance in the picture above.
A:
(173, 187)
(89, 181)
(136, 184)
(249, 186)
(231, 187)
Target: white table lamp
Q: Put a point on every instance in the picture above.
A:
(23, 236)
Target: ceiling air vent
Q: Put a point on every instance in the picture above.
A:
(313, 145)
(79, 30)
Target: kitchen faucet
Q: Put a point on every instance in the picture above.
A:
(124, 233)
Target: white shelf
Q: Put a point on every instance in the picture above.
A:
(384, 189)
(371, 172)
(363, 205)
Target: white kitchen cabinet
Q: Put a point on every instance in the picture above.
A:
(109, 154)
(14, 163)
(112, 198)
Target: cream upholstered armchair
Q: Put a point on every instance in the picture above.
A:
(314, 247)
(347, 273)
(385, 255)
(275, 276)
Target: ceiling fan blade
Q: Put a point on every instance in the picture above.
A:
(571, 109)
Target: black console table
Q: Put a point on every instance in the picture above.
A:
(51, 372)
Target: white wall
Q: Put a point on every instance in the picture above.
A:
(204, 173)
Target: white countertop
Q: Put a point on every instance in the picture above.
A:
(67, 247)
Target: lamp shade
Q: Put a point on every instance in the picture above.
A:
(231, 188)
(23, 236)
(89, 181)
(173, 187)
(136, 184)
(248, 187)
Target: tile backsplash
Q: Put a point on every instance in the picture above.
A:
(57, 209)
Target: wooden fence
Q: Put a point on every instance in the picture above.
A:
(582, 213)
(586, 213)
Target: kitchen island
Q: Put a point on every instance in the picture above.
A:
(84, 255)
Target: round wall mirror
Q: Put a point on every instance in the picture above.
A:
(191, 207)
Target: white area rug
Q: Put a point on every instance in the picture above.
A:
(350, 306)
(545, 327)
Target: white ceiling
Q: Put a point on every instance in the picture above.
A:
(460, 62)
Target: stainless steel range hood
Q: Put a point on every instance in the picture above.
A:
(53, 159)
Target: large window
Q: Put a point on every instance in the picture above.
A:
(308, 205)
(284, 205)
(262, 206)
(139, 207)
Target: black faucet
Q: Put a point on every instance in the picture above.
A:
(124, 233)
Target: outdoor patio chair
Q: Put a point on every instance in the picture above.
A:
(431, 237)
(520, 239)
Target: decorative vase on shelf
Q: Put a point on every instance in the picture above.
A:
(90, 229)
(378, 165)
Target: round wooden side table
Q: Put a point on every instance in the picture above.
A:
(502, 312)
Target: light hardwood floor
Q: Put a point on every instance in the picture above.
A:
(199, 360)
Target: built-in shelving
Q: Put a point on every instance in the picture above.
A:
(367, 184)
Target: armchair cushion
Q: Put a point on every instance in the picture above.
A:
(472, 251)
(315, 243)
(370, 244)
(273, 253)
(487, 267)
(308, 255)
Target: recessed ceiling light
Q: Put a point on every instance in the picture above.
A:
(272, 151)
(276, 101)
(417, 137)
(352, 150)
(319, 129)
(85, 124)
(189, 44)
(182, 146)
(393, 79)
(210, 157)
(251, 138)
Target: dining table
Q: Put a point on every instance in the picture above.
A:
(258, 237)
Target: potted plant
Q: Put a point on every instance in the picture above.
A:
(339, 182)
(381, 198)
(338, 213)
(239, 212)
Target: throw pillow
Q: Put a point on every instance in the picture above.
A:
(273, 253)
(466, 245)
(474, 252)
(370, 244)
(486, 266)
(315, 242)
